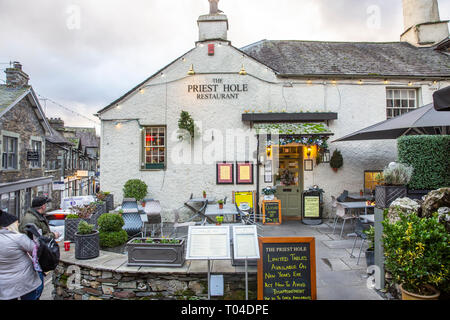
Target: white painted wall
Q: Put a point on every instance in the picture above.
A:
(164, 97)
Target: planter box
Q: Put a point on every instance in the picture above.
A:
(87, 246)
(155, 254)
(71, 227)
(385, 195)
(370, 258)
(101, 209)
(109, 202)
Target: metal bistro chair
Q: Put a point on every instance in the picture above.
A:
(153, 211)
(359, 230)
(247, 218)
(341, 213)
(132, 218)
(178, 225)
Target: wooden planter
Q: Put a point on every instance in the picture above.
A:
(155, 254)
(406, 295)
(87, 246)
(71, 227)
(385, 195)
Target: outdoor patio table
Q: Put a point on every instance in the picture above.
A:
(356, 205)
(213, 210)
(368, 217)
(357, 196)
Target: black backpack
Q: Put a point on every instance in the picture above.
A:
(48, 252)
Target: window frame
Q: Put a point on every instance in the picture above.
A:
(39, 163)
(6, 153)
(394, 109)
(373, 182)
(159, 166)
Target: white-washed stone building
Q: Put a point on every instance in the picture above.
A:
(340, 87)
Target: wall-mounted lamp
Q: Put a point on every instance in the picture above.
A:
(191, 71)
(243, 72)
(269, 151)
(309, 152)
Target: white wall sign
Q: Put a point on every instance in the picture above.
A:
(245, 243)
(208, 243)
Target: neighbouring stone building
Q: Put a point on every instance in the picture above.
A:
(309, 92)
(23, 130)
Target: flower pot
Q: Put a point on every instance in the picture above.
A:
(370, 257)
(220, 205)
(335, 169)
(385, 195)
(155, 254)
(71, 227)
(87, 246)
(109, 202)
(406, 295)
(204, 196)
(269, 197)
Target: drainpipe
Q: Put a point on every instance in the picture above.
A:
(257, 176)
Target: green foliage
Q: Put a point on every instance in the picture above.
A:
(110, 222)
(85, 228)
(397, 175)
(72, 216)
(219, 219)
(417, 252)
(186, 123)
(112, 239)
(429, 156)
(136, 189)
(370, 237)
(336, 160)
(220, 201)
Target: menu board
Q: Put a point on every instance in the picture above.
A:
(272, 212)
(311, 207)
(208, 243)
(245, 242)
(287, 269)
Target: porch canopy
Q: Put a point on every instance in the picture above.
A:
(424, 120)
(441, 99)
(307, 133)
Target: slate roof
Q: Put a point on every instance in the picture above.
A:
(56, 137)
(8, 95)
(315, 58)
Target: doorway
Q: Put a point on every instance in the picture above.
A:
(289, 181)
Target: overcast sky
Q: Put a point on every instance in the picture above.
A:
(84, 54)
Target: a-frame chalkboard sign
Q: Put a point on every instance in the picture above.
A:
(271, 212)
(287, 269)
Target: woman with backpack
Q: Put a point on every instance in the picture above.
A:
(20, 273)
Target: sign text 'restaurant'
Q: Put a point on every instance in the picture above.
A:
(217, 90)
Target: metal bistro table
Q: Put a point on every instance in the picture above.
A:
(212, 210)
(356, 205)
(202, 200)
(357, 196)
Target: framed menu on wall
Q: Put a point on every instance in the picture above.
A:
(225, 173)
(244, 173)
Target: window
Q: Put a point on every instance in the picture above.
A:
(400, 101)
(10, 153)
(370, 180)
(36, 146)
(9, 202)
(154, 148)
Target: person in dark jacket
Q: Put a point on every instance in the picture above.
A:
(20, 275)
(36, 216)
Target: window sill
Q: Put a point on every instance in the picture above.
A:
(10, 171)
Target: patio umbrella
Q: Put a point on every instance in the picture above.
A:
(424, 120)
(442, 99)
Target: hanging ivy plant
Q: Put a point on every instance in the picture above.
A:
(186, 123)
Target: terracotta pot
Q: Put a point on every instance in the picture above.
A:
(221, 206)
(406, 295)
(335, 169)
(204, 195)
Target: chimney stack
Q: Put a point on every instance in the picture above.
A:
(213, 26)
(15, 77)
(423, 27)
(56, 123)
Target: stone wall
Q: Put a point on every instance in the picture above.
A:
(97, 284)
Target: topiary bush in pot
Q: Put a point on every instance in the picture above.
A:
(136, 189)
(111, 232)
(336, 160)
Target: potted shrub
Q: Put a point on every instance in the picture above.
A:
(336, 160)
(86, 241)
(417, 254)
(370, 251)
(220, 203)
(111, 234)
(219, 220)
(392, 184)
(204, 194)
(136, 189)
(72, 220)
(156, 252)
(269, 193)
(108, 198)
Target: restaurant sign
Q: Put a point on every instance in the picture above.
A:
(217, 90)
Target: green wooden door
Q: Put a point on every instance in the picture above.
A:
(290, 183)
